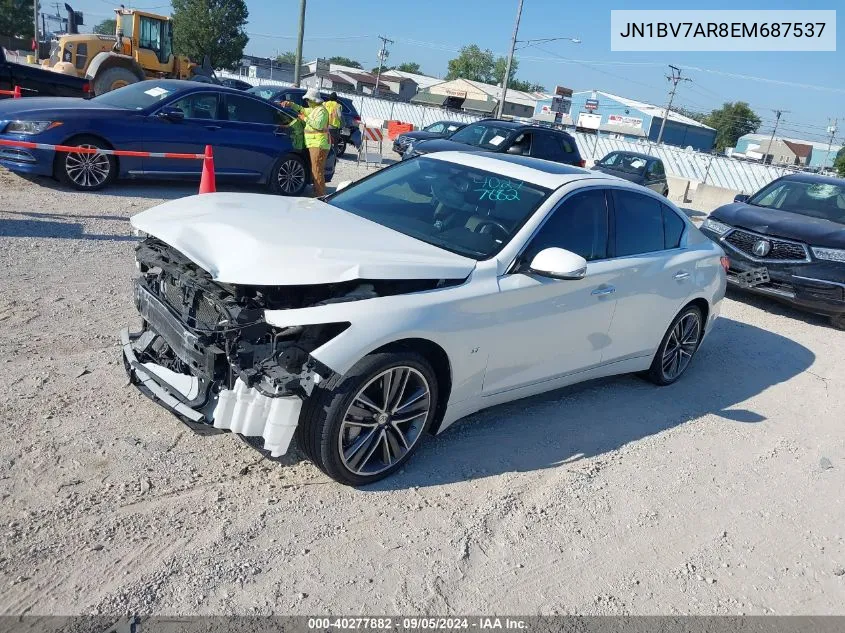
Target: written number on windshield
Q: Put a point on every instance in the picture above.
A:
(499, 189)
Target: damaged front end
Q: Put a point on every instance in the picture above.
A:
(206, 353)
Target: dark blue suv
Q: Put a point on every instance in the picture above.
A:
(349, 133)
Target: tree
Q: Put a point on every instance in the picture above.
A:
(16, 18)
(409, 67)
(384, 69)
(210, 27)
(344, 61)
(526, 86)
(499, 71)
(839, 162)
(106, 27)
(472, 63)
(288, 57)
(732, 120)
(695, 116)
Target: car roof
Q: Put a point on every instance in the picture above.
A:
(518, 125)
(816, 179)
(637, 154)
(534, 170)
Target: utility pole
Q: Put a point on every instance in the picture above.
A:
(832, 129)
(507, 76)
(778, 113)
(35, 26)
(675, 78)
(297, 71)
(382, 56)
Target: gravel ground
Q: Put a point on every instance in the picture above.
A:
(719, 495)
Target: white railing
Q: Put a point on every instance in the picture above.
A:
(719, 171)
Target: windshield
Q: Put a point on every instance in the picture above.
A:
(136, 96)
(624, 162)
(486, 135)
(813, 199)
(464, 210)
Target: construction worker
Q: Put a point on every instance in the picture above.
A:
(335, 120)
(316, 119)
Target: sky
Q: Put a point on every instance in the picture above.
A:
(808, 86)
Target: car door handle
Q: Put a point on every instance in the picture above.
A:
(604, 291)
(681, 275)
(212, 127)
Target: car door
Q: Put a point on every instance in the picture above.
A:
(252, 138)
(658, 272)
(552, 327)
(545, 147)
(655, 176)
(188, 136)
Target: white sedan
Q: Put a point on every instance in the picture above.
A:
(410, 299)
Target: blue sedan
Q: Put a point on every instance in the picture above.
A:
(249, 136)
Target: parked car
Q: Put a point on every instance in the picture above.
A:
(440, 129)
(399, 304)
(504, 137)
(787, 241)
(237, 84)
(247, 134)
(349, 133)
(640, 169)
(38, 82)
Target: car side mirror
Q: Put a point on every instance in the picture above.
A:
(174, 115)
(558, 263)
(342, 185)
(741, 197)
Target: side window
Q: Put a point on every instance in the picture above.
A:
(247, 110)
(81, 55)
(545, 147)
(639, 223)
(566, 145)
(200, 105)
(523, 141)
(656, 170)
(437, 128)
(292, 96)
(673, 228)
(579, 224)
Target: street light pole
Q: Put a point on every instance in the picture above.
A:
(35, 26)
(505, 79)
(675, 79)
(297, 71)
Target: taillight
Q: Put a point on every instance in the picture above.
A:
(582, 163)
(86, 88)
(726, 263)
(356, 120)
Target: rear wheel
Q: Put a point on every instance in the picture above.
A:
(289, 176)
(112, 79)
(361, 427)
(677, 348)
(838, 321)
(84, 171)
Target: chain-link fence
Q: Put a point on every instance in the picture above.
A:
(719, 171)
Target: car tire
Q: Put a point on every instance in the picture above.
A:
(346, 429)
(289, 176)
(838, 321)
(677, 348)
(665, 193)
(86, 172)
(340, 147)
(112, 79)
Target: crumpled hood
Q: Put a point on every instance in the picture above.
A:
(263, 240)
(777, 223)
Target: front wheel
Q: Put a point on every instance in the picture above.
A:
(362, 427)
(289, 176)
(340, 147)
(84, 171)
(677, 348)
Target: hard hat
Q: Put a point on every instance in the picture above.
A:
(312, 94)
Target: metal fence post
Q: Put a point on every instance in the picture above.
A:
(707, 170)
(595, 147)
(392, 105)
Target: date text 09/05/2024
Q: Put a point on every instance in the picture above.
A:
(417, 623)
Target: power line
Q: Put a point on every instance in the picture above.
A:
(675, 78)
(383, 54)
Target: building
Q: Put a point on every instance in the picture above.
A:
(392, 84)
(608, 114)
(265, 68)
(783, 151)
(477, 97)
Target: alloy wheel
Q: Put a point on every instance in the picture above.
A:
(87, 170)
(681, 345)
(291, 176)
(384, 420)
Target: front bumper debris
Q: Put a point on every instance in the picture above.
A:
(240, 410)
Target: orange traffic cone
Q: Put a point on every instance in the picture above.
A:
(207, 184)
(17, 92)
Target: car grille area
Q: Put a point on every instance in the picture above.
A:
(781, 250)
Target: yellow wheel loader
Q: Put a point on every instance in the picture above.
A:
(142, 48)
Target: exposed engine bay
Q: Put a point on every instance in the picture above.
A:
(217, 334)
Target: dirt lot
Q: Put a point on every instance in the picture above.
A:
(721, 494)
